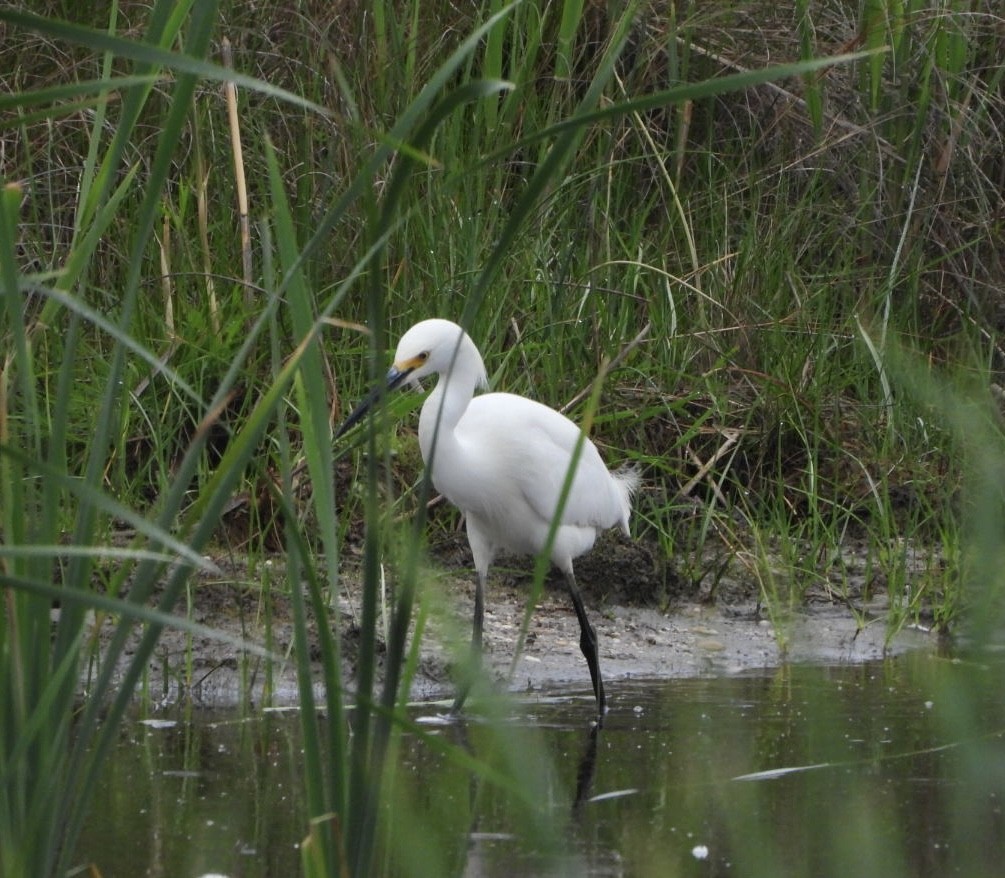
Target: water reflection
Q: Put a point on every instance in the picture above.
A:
(892, 768)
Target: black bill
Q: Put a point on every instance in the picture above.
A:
(395, 377)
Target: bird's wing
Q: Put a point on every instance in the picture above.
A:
(528, 447)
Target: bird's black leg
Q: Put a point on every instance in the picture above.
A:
(588, 644)
(476, 627)
(476, 646)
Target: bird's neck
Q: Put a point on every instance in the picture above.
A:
(442, 411)
(445, 406)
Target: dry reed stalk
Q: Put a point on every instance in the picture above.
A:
(239, 179)
(166, 286)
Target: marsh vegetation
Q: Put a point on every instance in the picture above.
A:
(757, 247)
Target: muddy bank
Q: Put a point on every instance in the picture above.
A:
(636, 641)
(689, 640)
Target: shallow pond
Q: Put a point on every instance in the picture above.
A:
(888, 768)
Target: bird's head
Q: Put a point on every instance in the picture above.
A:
(431, 347)
(428, 348)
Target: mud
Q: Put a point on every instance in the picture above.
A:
(649, 625)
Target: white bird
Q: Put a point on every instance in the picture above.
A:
(503, 460)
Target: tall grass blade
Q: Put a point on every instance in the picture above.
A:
(153, 52)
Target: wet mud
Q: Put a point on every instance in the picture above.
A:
(649, 624)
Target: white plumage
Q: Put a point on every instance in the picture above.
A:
(502, 460)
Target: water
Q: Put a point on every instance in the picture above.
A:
(890, 768)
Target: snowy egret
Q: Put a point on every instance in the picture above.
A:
(503, 460)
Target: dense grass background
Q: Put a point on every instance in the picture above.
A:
(775, 243)
(799, 284)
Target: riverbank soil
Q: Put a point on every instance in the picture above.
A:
(648, 623)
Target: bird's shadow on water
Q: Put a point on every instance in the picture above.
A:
(460, 726)
(586, 771)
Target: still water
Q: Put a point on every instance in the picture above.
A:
(890, 768)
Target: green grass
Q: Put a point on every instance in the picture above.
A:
(812, 251)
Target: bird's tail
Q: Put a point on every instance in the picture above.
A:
(626, 483)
